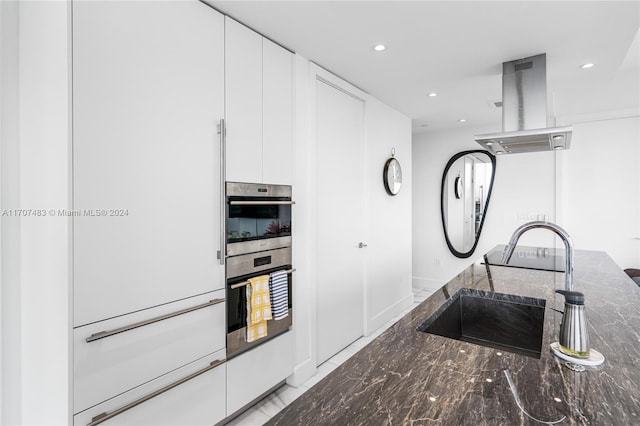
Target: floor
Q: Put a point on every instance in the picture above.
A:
(270, 405)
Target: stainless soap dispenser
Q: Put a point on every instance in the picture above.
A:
(574, 333)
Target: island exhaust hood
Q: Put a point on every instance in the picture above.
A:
(524, 111)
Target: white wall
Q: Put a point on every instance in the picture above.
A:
(388, 266)
(36, 273)
(591, 190)
(304, 217)
(523, 189)
(10, 386)
(601, 187)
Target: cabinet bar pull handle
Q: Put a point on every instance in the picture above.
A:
(244, 283)
(223, 176)
(262, 203)
(103, 334)
(103, 417)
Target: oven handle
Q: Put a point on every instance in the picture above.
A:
(245, 283)
(261, 203)
(222, 131)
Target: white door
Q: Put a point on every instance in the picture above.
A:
(340, 198)
(148, 92)
(468, 234)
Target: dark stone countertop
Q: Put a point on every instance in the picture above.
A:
(405, 376)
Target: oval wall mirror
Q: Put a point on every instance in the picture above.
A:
(464, 199)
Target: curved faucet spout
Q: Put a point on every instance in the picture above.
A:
(564, 236)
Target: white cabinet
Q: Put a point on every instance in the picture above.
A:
(151, 82)
(259, 107)
(192, 395)
(131, 349)
(243, 99)
(277, 107)
(148, 92)
(253, 373)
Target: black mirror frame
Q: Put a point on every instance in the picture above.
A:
(453, 159)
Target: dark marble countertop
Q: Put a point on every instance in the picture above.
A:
(405, 376)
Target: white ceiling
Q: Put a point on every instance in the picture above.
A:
(456, 48)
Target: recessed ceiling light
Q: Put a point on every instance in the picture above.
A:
(462, 120)
(489, 143)
(558, 147)
(432, 94)
(585, 66)
(379, 47)
(499, 152)
(558, 137)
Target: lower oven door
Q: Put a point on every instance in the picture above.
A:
(237, 315)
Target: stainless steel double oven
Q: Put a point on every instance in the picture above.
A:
(258, 242)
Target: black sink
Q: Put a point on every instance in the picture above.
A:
(501, 321)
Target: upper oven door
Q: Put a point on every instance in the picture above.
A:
(257, 212)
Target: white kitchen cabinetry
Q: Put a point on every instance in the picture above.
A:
(197, 399)
(251, 374)
(148, 92)
(259, 107)
(122, 357)
(277, 116)
(243, 112)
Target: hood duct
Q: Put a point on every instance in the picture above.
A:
(524, 111)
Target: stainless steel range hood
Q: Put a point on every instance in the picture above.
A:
(524, 111)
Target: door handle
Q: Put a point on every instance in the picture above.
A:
(362, 245)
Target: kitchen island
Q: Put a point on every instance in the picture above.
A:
(406, 376)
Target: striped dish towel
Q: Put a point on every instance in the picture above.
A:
(258, 307)
(279, 288)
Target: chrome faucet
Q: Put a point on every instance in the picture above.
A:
(566, 239)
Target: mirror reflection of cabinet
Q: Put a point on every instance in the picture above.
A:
(466, 189)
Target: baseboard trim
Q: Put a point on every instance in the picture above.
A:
(375, 322)
(426, 283)
(301, 373)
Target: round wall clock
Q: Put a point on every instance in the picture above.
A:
(392, 175)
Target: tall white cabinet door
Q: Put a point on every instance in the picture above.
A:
(243, 102)
(148, 91)
(340, 299)
(277, 104)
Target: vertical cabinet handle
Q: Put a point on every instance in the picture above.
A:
(222, 131)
